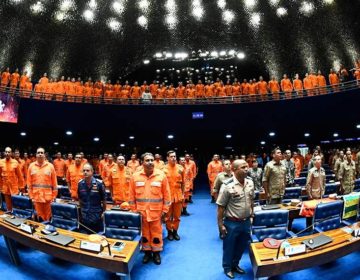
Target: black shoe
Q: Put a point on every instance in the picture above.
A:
(156, 258)
(147, 257)
(185, 212)
(230, 274)
(190, 200)
(238, 270)
(175, 235)
(212, 199)
(170, 235)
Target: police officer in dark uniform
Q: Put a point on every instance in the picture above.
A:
(235, 208)
(91, 193)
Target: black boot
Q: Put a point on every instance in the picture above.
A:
(175, 235)
(156, 258)
(212, 199)
(190, 199)
(185, 212)
(147, 257)
(170, 235)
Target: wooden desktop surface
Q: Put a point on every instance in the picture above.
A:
(118, 262)
(264, 265)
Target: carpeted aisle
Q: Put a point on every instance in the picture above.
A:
(196, 256)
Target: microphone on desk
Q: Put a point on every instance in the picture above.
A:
(301, 231)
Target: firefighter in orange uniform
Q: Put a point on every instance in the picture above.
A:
(22, 165)
(60, 168)
(175, 175)
(41, 183)
(188, 184)
(11, 179)
(103, 162)
(106, 171)
(150, 195)
(213, 169)
(119, 179)
(74, 174)
(133, 163)
(189, 163)
(158, 163)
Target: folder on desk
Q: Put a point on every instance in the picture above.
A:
(317, 241)
(14, 221)
(60, 239)
(270, 207)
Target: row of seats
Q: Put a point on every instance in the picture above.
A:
(117, 224)
(274, 223)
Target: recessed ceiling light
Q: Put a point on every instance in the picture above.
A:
(69, 132)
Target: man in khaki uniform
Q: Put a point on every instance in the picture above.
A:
(222, 177)
(274, 179)
(338, 163)
(315, 183)
(347, 175)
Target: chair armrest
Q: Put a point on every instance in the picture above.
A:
(346, 223)
(74, 228)
(254, 238)
(290, 234)
(317, 229)
(46, 223)
(137, 238)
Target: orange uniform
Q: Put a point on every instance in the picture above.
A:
(135, 92)
(11, 179)
(175, 176)
(117, 90)
(221, 91)
(213, 169)
(189, 176)
(102, 164)
(73, 175)
(236, 90)
(41, 183)
(200, 90)
(334, 81)
(133, 164)
(298, 166)
(286, 87)
(209, 91)
(228, 90)
(159, 164)
(153, 90)
(180, 92)
(14, 79)
(321, 83)
(60, 167)
(308, 86)
(314, 81)
(274, 88)
(262, 88)
(151, 197)
(298, 86)
(5, 78)
(106, 172)
(119, 179)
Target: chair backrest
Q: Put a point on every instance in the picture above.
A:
(270, 223)
(327, 216)
(301, 181)
(63, 192)
(122, 225)
(292, 193)
(357, 185)
(331, 188)
(65, 216)
(330, 177)
(22, 206)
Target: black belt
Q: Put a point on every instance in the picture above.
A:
(237, 219)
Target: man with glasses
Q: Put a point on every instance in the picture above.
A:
(91, 193)
(42, 183)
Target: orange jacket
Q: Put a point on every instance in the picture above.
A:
(150, 195)
(308, 84)
(213, 169)
(236, 90)
(200, 90)
(119, 179)
(14, 79)
(286, 85)
(74, 174)
(106, 172)
(192, 165)
(175, 176)
(11, 179)
(321, 81)
(298, 85)
(159, 164)
(102, 164)
(5, 78)
(274, 86)
(41, 182)
(60, 167)
(133, 164)
(262, 87)
(189, 176)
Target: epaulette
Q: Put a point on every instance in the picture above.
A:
(228, 181)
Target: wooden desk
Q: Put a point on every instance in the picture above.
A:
(120, 263)
(264, 265)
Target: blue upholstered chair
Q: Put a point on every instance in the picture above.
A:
(63, 192)
(331, 188)
(65, 216)
(301, 181)
(2, 202)
(291, 193)
(327, 216)
(122, 225)
(357, 185)
(330, 177)
(270, 223)
(22, 206)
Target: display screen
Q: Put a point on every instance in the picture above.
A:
(9, 106)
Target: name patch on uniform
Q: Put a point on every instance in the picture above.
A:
(139, 184)
(156, 184)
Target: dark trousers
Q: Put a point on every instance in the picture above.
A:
(274, 200)
(92, 227)
(235, 242)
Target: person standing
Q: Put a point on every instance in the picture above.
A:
(190, 163)
(274, 179)
(255, 173)
(91, 193)
(316, 179)
(347, 174)
(175, 175)
(11, 178)
(235, 208)
(188, 181)
(213, 169)
(290, 169)
(119, 180)
(42, 184)
(133, 163)
(60, 169)
(150, 195)
(222, 177)
(73, 175)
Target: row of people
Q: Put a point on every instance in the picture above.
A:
(313, 83)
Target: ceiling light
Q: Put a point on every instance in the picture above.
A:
(307, 134)
(89, 15)
(281, 11)
(23, 133)
(122, 145)
(170, 136)
(336, 134)
(228, 136)
(56, 143)
(240, 55)
(262, 142)
(158, 55)
(69, 132)
(96, 139)
(272, 134)
(146, 61)
(131, 137)
(358, 126)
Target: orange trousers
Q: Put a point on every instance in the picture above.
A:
(152, 235)
(187, 195)
(8, 202)
(43, 210)
(172, 218)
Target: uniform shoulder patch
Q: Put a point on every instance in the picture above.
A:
(229, 181)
